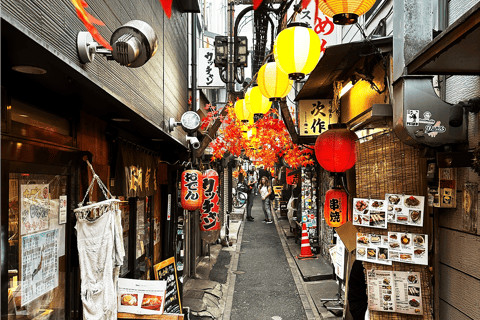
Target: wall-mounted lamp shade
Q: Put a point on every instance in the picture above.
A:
(255, 102)
(273, 82)
(297, 50)
(345, 12)
(241, 110)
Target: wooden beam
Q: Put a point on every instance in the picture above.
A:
(210, 133)
(287, 118)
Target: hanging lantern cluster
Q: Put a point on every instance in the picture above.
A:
(192, 191)
(273, 83)
(241, 110)
(336, 207)
(297, 50)
(345, 12)
(335, 149)
(256, 103)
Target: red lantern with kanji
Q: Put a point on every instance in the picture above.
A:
(209, 220)
(192, 191)
(336, 207)
(335, 148)
(292, 176)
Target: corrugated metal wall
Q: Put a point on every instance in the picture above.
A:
(460, 249)
(157, 90)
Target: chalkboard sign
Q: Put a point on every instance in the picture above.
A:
(166, 270)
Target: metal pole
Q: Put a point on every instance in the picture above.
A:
(230, 66)
(194, 77)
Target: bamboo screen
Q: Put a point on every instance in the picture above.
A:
(387, 165)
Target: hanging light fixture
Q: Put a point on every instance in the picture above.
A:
(241, 110)
(256, 103)
(345, 12)
(273, 82)
(335, 148)
(297, 50)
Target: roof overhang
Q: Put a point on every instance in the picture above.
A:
(455, 51)
(337, 64)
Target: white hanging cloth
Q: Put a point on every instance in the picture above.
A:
(101, 253)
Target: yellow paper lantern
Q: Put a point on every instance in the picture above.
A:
(297, 50)
(251, 120)
(273, 82)
(241, 110)
(345, 12)
(255, 102)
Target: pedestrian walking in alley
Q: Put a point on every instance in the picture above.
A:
(255, 187)
(250, 195)
(265, 191)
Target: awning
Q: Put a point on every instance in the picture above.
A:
(337, 64)
(454, 51)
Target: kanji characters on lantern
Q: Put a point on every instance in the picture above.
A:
(192, 190)
(336, 207)
(209, 220)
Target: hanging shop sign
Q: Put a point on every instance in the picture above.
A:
(209, 219)
(136, 171)
(315, 116)
(336, 207)
(166, 270)
(369, 213)
(292, 176)
(39, 264)
(405, 209)
(394, 291)
(141, 296)
(34, 207)
(372, 248)
(192, 190)
(208, 75)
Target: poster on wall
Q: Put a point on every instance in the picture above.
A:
(34, 207)
(408, 247)
(141, 296)
(369, 213)
(405, 209)
(62, 214)
(373, 248)
(309, 203)
(39, 264)
(394, 291)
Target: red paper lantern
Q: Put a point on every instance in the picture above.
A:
(336, 207)
(292, 178)
(192, 191)
(335, 148)
(209, 212)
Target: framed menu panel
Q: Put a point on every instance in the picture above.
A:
(372, 248)
(369, 213)
(405, 209)
(408, 247)
(166, 270)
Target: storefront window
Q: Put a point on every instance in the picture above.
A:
(36, 246)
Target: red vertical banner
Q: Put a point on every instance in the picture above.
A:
(209, 220)
(192, 191)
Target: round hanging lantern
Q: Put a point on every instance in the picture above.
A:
(336, 207)
(191, 193)
(241, 110)
(291, 178)
(273, 82)
(297, 50)
(209, 220)
(345, 12)
(335, 148)
(255, 102)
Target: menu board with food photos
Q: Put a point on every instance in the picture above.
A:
(369, 213)
(405, 209)
(372, 248)
(408, 247)
(394, 291)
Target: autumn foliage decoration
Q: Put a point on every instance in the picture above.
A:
(266, 145)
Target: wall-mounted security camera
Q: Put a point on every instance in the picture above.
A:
(193, 141)
(133, 45)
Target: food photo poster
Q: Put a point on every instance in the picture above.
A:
(141, 296)
(369, 213)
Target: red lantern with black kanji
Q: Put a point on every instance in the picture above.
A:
(292, 176)
(335, 148)
(336, 207)
(209, 220)
(192, 191)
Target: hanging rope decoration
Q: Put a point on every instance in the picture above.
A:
(93, 211)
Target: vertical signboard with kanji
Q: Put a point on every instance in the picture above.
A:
(207, 74)
(315, 116)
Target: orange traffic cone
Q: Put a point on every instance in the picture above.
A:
(305, 250)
